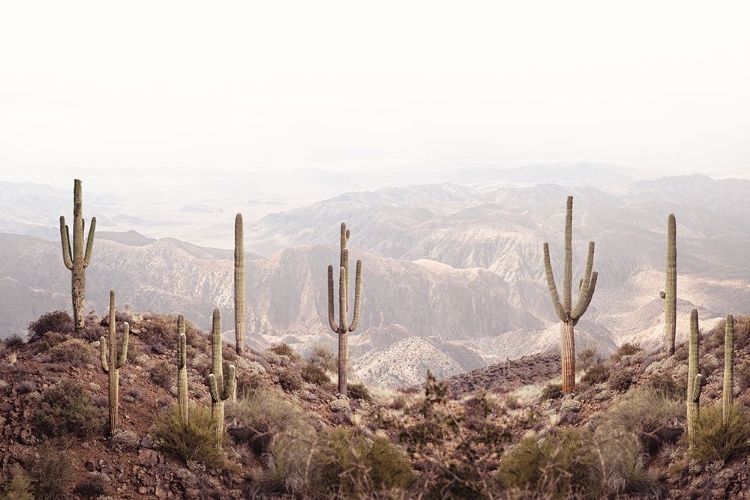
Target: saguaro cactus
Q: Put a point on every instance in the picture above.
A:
(695, 379)
(113, 365)
(220, 391)
(568, 314)
(240, 305)
(182, 394)
(74, 258)
(727, 395)
(670, 287)
(343, 327)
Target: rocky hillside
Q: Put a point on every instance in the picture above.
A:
(503, 431)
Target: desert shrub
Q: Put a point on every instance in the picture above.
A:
(349, 466)
(76, 352)
(25, 386)
(562, 466)
(284, 350)
(48, 340)
(58, 321)
(314, 374)
(324, 357)
(713, 441)
(626, 349)
(586, 358)
(94, 486)
(653, 417)
(551, 391)
(50, 470)
(742, 375)
(16, 485)
(67, 409)
(164, 374)
(247, 381)
(14, 341)
(620, 381)
(665, 385)
(358, 392)
(290, 380)
(596, 374)
(195, 442)
(159, 332)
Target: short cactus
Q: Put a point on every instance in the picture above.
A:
(670, 287)
(240, 304)
(568, 314)
(727, 396)
(695, 379)
(113, 365)
(182, 379)
(343, 328)
(220, 391)
(74, 257)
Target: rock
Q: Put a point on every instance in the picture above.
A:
(90, 466)
(147, 443)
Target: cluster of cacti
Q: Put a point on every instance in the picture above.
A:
(695, 380)
(240, 306)
(74, 258)
(669, 294)
(343, 327)
(727, 393)
(112, 365)
(569, 314)
(220, 391)
(182, 394)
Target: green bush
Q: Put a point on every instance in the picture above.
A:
(323, 357)
(67, 409)
(164, 374)
(47, 341)
(713, 441)
(349, 466)
(50, 470)
(620, 381)
(596, 374)
(16, 485)
(290, 380)
(58, 321)
(551, 391)
(626, 349)
(358, 392)
(314, 374)
(195, 442)
(77, 352)
(284, 350)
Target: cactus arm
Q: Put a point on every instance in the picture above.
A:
(90, 243)
(231, 384)
(331, 311)
(568, 270)
(583, 304)
(213, 389)
(670, 287)
(583, 287)
(103, 354)
(357, 296)
(124, 351)
(552, 286)
(216, 357)
(697, 387)
(65, 239)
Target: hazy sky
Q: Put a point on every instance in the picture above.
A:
(351, 85)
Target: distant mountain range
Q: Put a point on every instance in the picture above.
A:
(453, 275)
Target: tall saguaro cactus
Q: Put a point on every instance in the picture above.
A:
(670, 287)
(112, 366)
(182, 380)
(240, 305)
(695, 379)
(727, 393)
(569, 314)
(74, 258)
(220, 391)
(343, 327)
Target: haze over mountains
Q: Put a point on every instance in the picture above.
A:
(453, 274)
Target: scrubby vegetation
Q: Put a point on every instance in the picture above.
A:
(502, 432)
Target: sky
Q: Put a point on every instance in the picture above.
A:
(126, 92)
